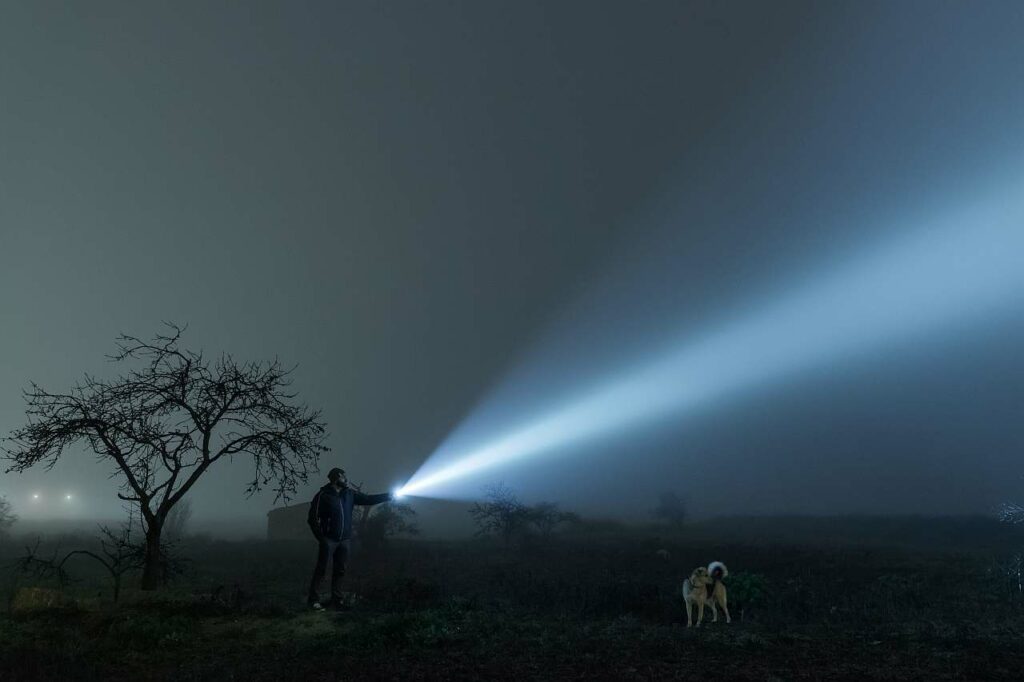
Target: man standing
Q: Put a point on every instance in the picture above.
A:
(330, 519)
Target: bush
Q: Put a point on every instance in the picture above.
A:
(746, 590)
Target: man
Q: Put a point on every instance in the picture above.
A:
(330, 519)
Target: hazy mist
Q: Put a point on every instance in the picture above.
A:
(447, 214)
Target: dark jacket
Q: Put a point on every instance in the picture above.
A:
(330, 512)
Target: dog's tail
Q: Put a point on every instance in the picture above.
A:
(717, 566)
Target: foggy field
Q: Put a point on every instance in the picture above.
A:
(599, 604)
(541, 306)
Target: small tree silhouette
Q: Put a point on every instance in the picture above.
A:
(547, 516)
(502, 513)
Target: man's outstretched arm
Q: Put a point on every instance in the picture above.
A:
(368, 500)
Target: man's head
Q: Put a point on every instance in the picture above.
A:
(337, 477)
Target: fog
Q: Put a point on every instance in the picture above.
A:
(451, 216)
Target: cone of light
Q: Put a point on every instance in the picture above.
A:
(952, 269)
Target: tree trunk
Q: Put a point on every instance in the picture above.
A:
(151, 559)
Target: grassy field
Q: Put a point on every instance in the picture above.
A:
(595, 606)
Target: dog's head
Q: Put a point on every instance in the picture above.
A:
(700, 577)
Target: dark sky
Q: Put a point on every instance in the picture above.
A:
(405, 198)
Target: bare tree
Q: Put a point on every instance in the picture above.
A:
(163, 423)
(502, 513)
(547, 516)
(671, 509)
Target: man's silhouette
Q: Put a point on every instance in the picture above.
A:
(330, 519)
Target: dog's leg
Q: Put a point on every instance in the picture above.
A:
(722, 600)
(689, 616)
(700, 612)
(714, 611)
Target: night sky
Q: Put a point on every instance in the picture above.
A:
(441, 208)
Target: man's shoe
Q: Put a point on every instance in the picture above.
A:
(316, 606)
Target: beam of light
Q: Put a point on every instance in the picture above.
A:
(955, 269)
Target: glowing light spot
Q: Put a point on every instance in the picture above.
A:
(67, 497)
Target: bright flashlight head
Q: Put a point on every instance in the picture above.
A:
(398, 493)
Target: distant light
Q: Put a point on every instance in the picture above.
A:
(35, 496)
(67, 497)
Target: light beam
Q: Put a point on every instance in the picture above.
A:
(959, 268)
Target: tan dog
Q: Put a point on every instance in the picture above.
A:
(705, 587)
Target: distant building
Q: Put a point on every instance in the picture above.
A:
(289, 523)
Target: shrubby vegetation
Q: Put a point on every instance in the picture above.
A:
(380, 523)
(502, 514)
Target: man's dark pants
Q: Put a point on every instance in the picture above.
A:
(337, 552)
